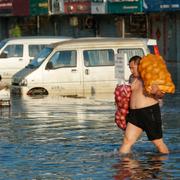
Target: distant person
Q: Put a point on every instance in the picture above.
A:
(144, 113)
(3, 85)
(56, 6)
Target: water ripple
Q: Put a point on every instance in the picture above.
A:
(66, 138)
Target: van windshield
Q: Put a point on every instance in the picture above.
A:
(2, 43)
(39, 59)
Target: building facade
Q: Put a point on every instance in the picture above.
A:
(159, 19)
(164, 25)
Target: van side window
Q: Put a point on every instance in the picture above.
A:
(35, 49)
(132, 52)
(63, 59)
(14, 50)
(101, 57)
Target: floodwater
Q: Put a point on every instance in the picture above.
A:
(55, 138)
(59, 138)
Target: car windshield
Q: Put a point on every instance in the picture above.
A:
(38, 60)
(2, 43)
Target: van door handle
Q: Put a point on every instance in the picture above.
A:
(73, 70)
(20, 59)
(87, 71)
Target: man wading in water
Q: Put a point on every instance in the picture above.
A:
(144, 113)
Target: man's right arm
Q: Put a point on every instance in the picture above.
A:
(156, 92)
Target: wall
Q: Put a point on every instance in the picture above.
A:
(163, 28)
(3, 27)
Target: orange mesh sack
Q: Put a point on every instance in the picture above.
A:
(153, 70)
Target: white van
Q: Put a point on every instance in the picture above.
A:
(16, 53)
(78, 67)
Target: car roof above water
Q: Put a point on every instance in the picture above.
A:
(105, 41)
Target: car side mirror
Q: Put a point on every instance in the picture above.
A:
(49, 65)
(4, 54)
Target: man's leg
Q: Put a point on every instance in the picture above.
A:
(161, 146)
(132, 133)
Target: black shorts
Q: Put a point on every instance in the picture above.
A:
(148, 119)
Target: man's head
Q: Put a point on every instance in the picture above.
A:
(133, 65)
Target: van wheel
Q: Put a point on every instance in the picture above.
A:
(37, 91)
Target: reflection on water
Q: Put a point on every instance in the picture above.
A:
(66, 138)
(150, 167)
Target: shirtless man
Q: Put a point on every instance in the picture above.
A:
(144, 114)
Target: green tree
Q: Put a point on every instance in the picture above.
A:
(15, 31)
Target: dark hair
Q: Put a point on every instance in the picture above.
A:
(136, 59)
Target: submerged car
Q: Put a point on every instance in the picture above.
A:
(79, 67)
(16, 53)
